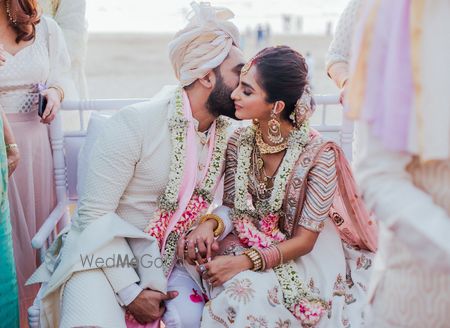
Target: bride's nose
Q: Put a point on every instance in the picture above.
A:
(234, 94)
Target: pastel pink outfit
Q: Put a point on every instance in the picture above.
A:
(31, 188)
(398, 90)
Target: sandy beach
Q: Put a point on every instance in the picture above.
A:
(137, 65)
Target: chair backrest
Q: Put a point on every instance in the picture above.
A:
(66, 145)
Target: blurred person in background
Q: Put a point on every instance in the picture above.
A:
(398, 89)
(71, 18)
(9, 158)
(338, 55)
(35, 61)
(311, 63)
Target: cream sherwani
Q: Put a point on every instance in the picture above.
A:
(129, 170)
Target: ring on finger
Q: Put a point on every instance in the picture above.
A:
(196, 250)
(203, 269)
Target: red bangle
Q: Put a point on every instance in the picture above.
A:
(271, 256)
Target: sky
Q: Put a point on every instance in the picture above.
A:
(169, 15)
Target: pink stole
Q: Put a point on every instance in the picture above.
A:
(189, 180)
(389, 84)
(348, 211)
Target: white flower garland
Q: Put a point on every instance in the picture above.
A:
(241, 181)
(296, 142)
(217, 160)
(178, 124)
(305, 306)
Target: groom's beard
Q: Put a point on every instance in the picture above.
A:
(219, 101)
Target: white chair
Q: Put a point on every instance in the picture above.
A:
(66, 147)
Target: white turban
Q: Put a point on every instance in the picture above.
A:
(204, 43)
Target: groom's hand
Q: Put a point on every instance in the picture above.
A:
(200, 245)
(148, 306)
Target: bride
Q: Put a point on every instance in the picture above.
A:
(302, 245)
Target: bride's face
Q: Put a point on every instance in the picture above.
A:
(250, 99)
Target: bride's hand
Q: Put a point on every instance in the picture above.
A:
(223, 268)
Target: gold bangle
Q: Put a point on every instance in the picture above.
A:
(263, 262)
(59, 90)
(250, 257)
(255, 258)
(220, 225)
(11, 146)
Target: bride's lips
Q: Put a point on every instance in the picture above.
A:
(237, 106)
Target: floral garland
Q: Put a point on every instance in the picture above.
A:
(268, 212)
(306, 307)
(217, 160)
(178, 125)
(268, 234)
(202, 197)
(259, 226)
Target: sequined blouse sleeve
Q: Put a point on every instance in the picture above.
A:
(320, 190)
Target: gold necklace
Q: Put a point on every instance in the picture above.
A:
(265, 148)
(262, 183)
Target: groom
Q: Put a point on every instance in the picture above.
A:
(151, 162)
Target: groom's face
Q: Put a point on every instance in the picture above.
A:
(227, 79)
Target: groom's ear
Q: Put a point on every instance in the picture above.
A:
(209, 80)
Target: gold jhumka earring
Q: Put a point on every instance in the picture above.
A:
(265, 148)
(274, 129)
